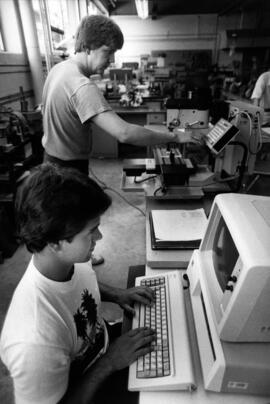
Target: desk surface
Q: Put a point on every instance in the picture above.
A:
(199, 396)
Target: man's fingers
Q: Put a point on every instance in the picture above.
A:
(144, 341)
(148, 292)
(143, 337)
(143, 351)
(140, 332)
(144, 296)
(143, 300)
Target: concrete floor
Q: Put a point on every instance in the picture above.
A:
(123, 244)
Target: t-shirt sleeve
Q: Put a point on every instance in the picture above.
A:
(88, 101)
(40, 374)
(259, 87)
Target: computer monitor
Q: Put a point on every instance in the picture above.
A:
(229, 284)
(234, 266)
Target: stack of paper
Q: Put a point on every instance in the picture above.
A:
(177, 229)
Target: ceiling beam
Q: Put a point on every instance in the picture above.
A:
(100, 5)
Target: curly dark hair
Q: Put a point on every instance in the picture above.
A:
(95, 31)
(55, 203)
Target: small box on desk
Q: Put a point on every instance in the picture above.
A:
(171, 259)
(173, 235)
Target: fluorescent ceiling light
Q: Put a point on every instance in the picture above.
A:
(142, 8)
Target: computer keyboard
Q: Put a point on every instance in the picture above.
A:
(169, 365)
(157, 362)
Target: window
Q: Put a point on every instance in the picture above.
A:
(57, 18)
(1, 43)
(10, 38)
(59, 21)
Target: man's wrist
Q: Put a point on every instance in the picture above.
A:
(172, 137)
(115, 294)
(107, 364)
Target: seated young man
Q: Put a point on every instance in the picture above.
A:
(54, 341)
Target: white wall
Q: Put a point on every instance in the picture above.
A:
(167, 33)
(181, 32)
(15, 73)
(177, 32)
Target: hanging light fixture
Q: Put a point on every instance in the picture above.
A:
(142, 8)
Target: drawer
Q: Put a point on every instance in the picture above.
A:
(156, 118)
(154, 105)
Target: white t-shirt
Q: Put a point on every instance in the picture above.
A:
(262, 92)
(70, 100)
(50, 325)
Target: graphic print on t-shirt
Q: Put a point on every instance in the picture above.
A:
(89, 329)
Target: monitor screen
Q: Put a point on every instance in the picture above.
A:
(224, 254)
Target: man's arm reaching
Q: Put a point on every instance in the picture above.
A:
(126, 132)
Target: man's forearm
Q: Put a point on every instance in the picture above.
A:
(140, 136)
(108, 293)
(83, 391)
(126, 132)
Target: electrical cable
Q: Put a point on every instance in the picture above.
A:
(104, 186)
(260, 142)
(158, 189)
(145, 179)
(259, 146)
(126, 200)
(231, 178)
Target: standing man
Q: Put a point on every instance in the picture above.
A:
(72, 102)
(261, 95)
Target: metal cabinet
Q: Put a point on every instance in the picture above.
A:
(156, 118)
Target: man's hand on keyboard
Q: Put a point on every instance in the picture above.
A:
(127, 348)
(140, 294)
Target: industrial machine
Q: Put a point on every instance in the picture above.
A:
(168, 162)
(176, 170)
(247, 118)
(184, 112)
(232, 145)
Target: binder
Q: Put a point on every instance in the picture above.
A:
(174, 237)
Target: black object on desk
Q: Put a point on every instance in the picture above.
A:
(175, 170)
